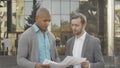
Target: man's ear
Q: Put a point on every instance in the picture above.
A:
(84, 26)
(36, 18)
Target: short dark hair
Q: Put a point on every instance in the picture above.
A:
(81, 16)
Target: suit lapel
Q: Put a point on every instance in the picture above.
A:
(71, 46)
(85, 45)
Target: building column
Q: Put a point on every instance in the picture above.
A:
(110, 27)
(9, 16)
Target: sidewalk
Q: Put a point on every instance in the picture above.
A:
(10, 62)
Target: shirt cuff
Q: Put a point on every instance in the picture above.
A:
(89, 65)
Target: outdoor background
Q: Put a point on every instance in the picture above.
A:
(103, 22)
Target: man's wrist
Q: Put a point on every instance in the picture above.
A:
(37, 65)
(89, 65)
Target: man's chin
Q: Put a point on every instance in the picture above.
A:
(75, 33)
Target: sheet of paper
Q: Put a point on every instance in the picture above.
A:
(69, 60)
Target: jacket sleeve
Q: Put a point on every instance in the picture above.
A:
(67, 49)
(22, 54)
(98, 57)
(56, 57)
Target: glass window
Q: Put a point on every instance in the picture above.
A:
(65, 7)
(74, 6)
(46, 4)
(13, 26)
(65, 18)
(20, 13)
(28, 0)
(56, 20)
(28, 7)
(26, 22)
(75, 0)
(55, 25)
(3, 25)
(117, 28)
(39, 0)
(56, 7)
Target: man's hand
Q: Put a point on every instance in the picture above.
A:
(39, 65)
(85, 64)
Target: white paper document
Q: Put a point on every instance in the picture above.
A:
(69, 60)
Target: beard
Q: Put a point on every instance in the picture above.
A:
(78, 33)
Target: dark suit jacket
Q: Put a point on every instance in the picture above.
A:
(91, 50)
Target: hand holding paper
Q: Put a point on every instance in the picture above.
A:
(69, 60)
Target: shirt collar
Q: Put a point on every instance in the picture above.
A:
(82, 37)
(36, 28)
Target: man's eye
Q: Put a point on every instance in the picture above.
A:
(74, 25)
(46, 20)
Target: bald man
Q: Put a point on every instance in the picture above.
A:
(37, 43)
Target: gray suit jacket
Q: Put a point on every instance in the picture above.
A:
(91, 50)
(27, 54)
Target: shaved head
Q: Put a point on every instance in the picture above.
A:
(42, 19)
(42, 11)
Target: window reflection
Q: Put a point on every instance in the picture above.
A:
(65, 18)
(56, 7)
(61, 11)
(28, 7)
(55, 23)
(8, 40)
(117, 28)
(65, 7)
(74, 6)
(47, 4)
(3, 25)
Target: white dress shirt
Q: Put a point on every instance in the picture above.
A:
(77, 49)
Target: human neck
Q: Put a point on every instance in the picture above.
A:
(78, 36)
(43, 31)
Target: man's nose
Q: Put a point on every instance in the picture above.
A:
(47, 23)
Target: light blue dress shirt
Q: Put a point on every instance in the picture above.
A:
(43, 44)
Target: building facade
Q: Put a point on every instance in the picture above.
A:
(103, 17)
(103, 21)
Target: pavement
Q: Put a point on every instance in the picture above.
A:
(10, 62)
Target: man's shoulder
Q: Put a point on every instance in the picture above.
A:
(28, 32)
(51, 35)
(70, 39)
(93, 38)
